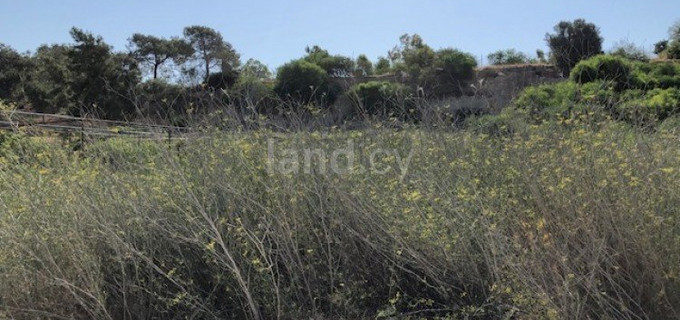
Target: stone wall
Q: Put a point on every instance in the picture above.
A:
(504, 83)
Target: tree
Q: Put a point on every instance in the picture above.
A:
(382, 66)
(669, 49)
(540, 56)
(155, 51)
(508, 56)
(411, 57)
(673, 50)
(49, 87)
(83, 77)
(335, 65)
(364, 67)
(443, 72)
(14, 68)
(255, 69)
(674, 32)
(100, 79)
(573, 42)
(660, 47)
(211, 49)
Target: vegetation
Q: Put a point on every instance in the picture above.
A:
(381, 98)
(156, 51)
(508, 56)
(609, 68)
(211, 49)
(422, 201)
(630, 51)
(382, 66)
(670, 49)
(334, 65)
(639, 93)
(364, 67)
(560, 220)
(302, 81)
(573, 42)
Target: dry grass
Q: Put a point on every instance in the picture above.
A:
(560, 221)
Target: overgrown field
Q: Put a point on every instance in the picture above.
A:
(553, 221)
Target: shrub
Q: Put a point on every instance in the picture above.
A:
(629, 51)
(673, 51)
(657, 74)
(379, 98)
(451, 72)
(650, 107)
(166, 101)
(665, 74)
(303, 82)
(221, 80)
(252, 92)
(606, 68)
(544, 101)
(508, 56)
(598, 93)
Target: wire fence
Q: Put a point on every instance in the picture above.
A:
(33, 123)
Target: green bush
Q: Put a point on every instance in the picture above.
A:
(452, 70)
(606, 68)
(650, 107)
(666, 75)
(303, 82)
(544, 101)
(508, 56)
(658, 74)
(597, 93)
(221, 80)
(673, 51)
(252, 92)
(636, 92)
(379, 98)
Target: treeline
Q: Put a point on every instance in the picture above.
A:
(166, 77)
(88, 77)
(199, 72)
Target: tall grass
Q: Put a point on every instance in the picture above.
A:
(557, 221)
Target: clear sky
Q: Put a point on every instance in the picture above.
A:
(275, 32)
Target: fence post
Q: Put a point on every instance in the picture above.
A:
(82, 136)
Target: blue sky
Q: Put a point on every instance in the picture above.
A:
(275, 32)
